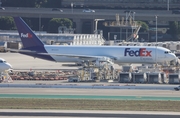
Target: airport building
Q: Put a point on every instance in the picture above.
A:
(59, 39)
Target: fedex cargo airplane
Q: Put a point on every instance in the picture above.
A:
(34, 47)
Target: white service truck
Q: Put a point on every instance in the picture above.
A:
(177, 88)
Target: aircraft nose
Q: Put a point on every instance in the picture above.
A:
(173, 56)
(9, 66)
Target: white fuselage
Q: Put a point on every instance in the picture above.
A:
(122, 54)
(4, 65)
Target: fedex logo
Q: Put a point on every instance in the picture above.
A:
(27, 35)
(142, 52)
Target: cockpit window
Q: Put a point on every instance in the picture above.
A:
(2, 61)
(166, 52)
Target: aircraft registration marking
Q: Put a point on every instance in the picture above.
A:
(55, 49)
(146, 59)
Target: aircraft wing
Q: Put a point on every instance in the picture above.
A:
(74, 55)
(100, 58)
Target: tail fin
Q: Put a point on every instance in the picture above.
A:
(28, 38)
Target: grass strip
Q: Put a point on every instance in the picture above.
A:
(84, 104)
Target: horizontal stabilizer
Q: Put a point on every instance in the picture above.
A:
(16, 50)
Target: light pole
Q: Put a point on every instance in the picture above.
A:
(167, 5)
(128, 14)
(134, 16)
(96, 23)
(156, 29)
(0, 3)
(115, 37)
(133, 23)
(156, 40)
(39, 22)
(72, 6)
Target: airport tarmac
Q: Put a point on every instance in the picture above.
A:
(23, 62)
(106, 92)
